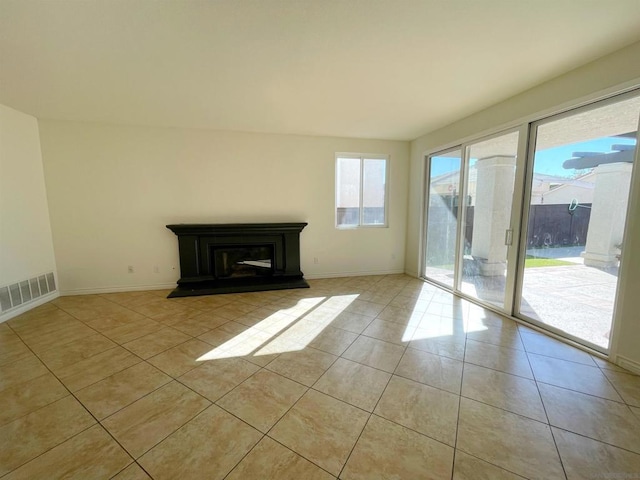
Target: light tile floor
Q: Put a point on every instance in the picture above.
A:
(355, 378)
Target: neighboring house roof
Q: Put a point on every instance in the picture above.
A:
(585, 180)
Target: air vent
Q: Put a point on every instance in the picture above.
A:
(35, 289)
(26, 291)
(42, 281)
(5, 299)
(16, 298)
(51, 282)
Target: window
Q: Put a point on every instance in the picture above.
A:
(361, 190)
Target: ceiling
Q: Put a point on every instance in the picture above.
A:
(388, 69)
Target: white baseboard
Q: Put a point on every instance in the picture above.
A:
(627, 363)
(352, 274)
(29, 306)
(129, 288)
(411, 273)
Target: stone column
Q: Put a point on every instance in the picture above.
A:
(608, 212)
(492, 215)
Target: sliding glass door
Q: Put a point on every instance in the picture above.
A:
(443, 177)
(540, 237)
(469, 211)
(489, 187)
(577, 193)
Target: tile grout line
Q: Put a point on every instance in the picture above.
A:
(563, 359)
(582, 393)
(455, 440)
(555, 443)
(492, 464)
(636, 453)
(167, 436)
(264, 434)
(63, 344)
(97, 422)
(499, 408)
(528, 353)
(344, 465)
(617, 391)
(295, 403)
(372, 410)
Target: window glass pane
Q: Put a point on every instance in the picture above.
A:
(373, 183)
(348, 191)
(579, 197)
(491, 173)
(442, 214)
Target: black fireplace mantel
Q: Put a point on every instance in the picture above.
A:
(203, 246)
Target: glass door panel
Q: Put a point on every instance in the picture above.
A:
(578, 190)
(443, 179)
(490, 177)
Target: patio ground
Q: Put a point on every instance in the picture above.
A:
(575, 298)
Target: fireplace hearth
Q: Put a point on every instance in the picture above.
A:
(239, 257)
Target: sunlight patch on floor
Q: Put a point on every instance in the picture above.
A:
(288, 329)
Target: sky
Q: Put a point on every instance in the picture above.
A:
(550, 161)
(547, 161)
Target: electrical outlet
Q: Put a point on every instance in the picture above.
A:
(156, 269)
(130, 269)
(315, 260)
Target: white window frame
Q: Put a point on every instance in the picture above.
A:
(362, 157)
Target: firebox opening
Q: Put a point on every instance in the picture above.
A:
(240, 262)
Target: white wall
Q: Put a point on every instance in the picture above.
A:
(26, 248)
(565, 194)
(112, 190)
(626, 336)
(605, 75)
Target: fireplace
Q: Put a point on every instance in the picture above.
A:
(230, 258)
(247, 261)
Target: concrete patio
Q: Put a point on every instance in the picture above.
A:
(575, 299)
